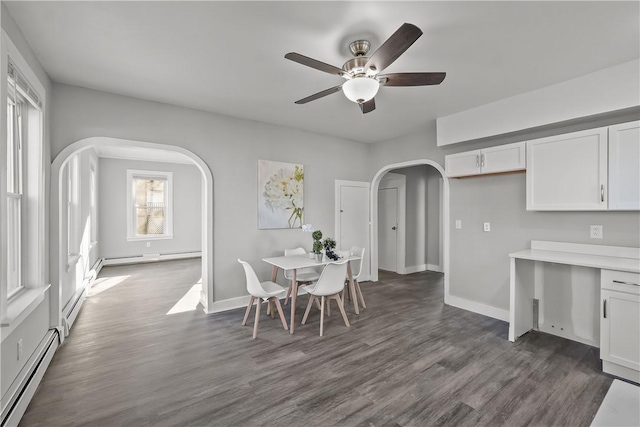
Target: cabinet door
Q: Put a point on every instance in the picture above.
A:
(462, 164)
(624, 166)
(568, 172)
(620, 328)
(503, 158)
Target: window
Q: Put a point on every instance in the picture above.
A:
(25, 219)
(15, 105)
(149, 205)
(73, 206)
(94, 204)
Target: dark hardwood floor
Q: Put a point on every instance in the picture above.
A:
(407, 360)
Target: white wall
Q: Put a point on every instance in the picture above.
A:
(479, 261)
(422, 217)
(73, 278)
(33, 328)
(112, 206)
(231, 148)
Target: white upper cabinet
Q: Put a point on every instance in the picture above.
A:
(568, 172)
(624, 166)
(463, 164)
(503, 158)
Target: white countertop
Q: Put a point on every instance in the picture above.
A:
(585, 260)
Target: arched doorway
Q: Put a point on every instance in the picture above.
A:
(375, 183)
(59, 262)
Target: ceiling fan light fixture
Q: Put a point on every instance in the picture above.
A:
(360, 89)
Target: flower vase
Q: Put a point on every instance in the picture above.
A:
(319, 257)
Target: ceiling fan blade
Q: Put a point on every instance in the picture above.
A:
(369, 106)
(412, 79)
(393, 47)
(319, 94)
(314, 63)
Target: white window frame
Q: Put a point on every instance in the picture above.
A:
(132, 174)
(15, 196)
(73, 211)
(34, 238)
(93, 208)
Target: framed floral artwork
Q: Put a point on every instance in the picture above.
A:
(280, 195)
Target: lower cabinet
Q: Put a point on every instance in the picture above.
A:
(620, 324)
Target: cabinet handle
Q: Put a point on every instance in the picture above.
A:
(477, 160)
(625, 283)
(481, 160)
(602, 192)
(604, 308)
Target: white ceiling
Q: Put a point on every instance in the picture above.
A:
(228, 57)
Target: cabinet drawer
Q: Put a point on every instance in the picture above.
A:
(620, 281)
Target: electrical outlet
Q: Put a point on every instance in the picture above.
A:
(596, 231)
(20, 349)
(458, 224)
(487, 226)
(148, 244)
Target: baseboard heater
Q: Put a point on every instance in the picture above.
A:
(28, 380)
(150, 258)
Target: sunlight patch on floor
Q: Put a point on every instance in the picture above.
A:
(104, 283)
(189, 301)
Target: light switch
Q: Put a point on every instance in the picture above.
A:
(487, 226)
(458, 224)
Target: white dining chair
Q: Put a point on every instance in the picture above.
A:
(261, 291)
(356, 251)
(303, 275)
(328, 287)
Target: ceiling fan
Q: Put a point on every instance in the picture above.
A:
(361, 72)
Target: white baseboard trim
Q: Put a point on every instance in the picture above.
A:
(28, 380)
(228, 304)
(434, 267)
(74, 309)
(237, 302)
(414, 269)
(97, 266)
(150, 258)
(476, 307)
(422, 267)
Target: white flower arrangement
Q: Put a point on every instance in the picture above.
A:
(284, 191)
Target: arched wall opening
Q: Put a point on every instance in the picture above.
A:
(375, 183)
(59, 262)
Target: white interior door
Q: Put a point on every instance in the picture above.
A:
(353, 219)
(387, 229)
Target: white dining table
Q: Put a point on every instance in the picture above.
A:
(295, 262)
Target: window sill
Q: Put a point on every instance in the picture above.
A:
(72, 261)
(20, 307)
(143, 238)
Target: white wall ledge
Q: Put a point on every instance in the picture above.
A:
(20, 307)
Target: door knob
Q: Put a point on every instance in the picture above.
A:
(393, 228)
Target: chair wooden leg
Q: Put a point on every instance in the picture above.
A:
(317, 303)
(306, 312)
(268, 307)
(279, 307)
(255, 324)
(328, 307)
(322, 314)
(273, 309)
(246, 313)
(341, 307)
(359, 292)
(286, 298)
